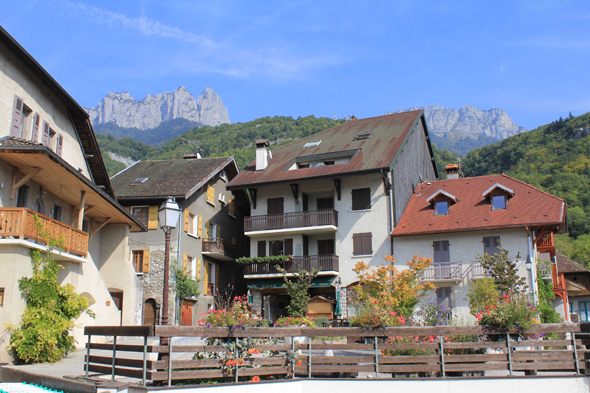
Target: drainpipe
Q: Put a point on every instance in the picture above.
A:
(391, 216)
(530, 233)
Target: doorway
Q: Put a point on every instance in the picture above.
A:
(149, 312)
(118, 300)
(186, 316)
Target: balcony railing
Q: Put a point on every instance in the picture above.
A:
(546, 244)
(323, 263)
(291, 220)
(478, 271)
(442, 271)
(19, 222)
(220, 246)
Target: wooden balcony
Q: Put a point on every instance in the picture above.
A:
(219, 249)
(323, 263)
(478, 271)
(546, 244)
(443, 271)
(316, 220)
(19, 223)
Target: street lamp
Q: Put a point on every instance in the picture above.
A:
(168, 213)
(529, 267)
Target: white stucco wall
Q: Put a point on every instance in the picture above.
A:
(16, 79)
(464, 247)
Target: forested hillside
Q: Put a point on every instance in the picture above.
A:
(554, 158)
(154, 136)
(123, 147)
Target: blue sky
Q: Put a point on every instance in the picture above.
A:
(530, 58)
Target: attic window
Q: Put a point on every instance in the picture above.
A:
(311, 144)
(139, 180)
(361, 137)
(441, 201)
(498, 195)
(441, 208)
(498, 202)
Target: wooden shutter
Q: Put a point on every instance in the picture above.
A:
(199, 268)
(206, 278)
(35, 133)
(232, 207)
(367, 243)
(153, 217)
(45, 136)
(186, 213)
(262, 248)
(362, 243)
(208, 229)
(184, 262)
(357, 247)
(443, 297)
(288, 247)
(218, 232)
(275, 205)
(17, 115)
(199, 223)
(146, 261)
(59, 146)
(441, 251)
(361, 199)
(210, 193)
(490, 245)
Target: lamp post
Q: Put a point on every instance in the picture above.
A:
(168, 213)
(529, 266)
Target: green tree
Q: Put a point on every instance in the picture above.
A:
(482, 293)
(298, 290)
(504, 271)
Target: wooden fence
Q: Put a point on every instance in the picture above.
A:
(310, 352)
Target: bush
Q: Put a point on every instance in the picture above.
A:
(434, 314)
(376, 316)
(294, 321)
(510, 311)
(237, 315)
(482, 293)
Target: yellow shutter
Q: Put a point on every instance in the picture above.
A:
(199, 223)
(146, 261)
(153, 217)
(216, 275)
(186, 212)
(232, 208)
(210, 193)
(184, 262)
(208, 229)
(218, 234)
(199, 268)
(206, 278)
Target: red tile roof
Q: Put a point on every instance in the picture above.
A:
(529, 206)
(377, 152)
(566, 265)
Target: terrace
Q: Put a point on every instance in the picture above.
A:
(443, 272)
(316, 221)
(323, 263)
(219, 249)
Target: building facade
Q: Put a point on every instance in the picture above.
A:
(206, 241)
(51, 169)
(330, 200)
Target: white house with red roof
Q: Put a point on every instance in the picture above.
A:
(453, 221)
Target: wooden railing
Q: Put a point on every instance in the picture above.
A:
(442, 271)
(320, 262)
(478, 271)
(546, 244)
(291, 220)
(19, 222)
(218, 245)
(387, 353)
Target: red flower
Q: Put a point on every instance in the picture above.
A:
(256, 378)
(298, 363)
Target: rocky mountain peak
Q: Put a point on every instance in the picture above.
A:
(148, 113)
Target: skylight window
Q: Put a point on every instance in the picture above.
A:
(311, 144)
(361, 137)
(139, 180)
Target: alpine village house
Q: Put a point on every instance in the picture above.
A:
(51, 167)
(205, 242)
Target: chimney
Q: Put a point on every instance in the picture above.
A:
(262, 154)
(452, 171)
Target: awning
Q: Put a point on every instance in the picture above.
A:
(260, 283)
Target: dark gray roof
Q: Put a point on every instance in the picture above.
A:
(176, 178)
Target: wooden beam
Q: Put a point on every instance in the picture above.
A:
(75, 213)
(17, 184)
(295, 191)
(100, 225)
(81, 209)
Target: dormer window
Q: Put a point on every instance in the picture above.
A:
(498, 202)
(441, 202)
(312, 144)
(498, 196)
(361, 137)
(139, 180)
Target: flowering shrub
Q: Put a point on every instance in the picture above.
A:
(515, 310)
(237, 315)
(294, 321)
(376, 315)
(270, 259)
(409, 340)
(434, 314)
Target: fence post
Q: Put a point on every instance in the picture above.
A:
(88, 355)
(309, 357)
(114, 357)
(376, 359)
(442, 355)
(237, 365)
(575, 353)
(293, 354)
(509, 353)
(170, 362)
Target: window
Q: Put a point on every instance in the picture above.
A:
(223, 175)
(22, 199)
(141, 213)
(584, 309)
(51, 139)
(191, 223)
(442, 251)
(443, 297)
(362, 244)
(498, 202)
(137, 259)
(276, 248)
(328, 162)
(275, 206)
(361, 199)
(222, 198)
(490, 245)
(361, 137)
(325, 203)
(261, 248)
(303, 165)
(24, 125)
(311, 144)
(441, 208)
(231, 208)
(139, 180)
(57, 213)
(1, 297)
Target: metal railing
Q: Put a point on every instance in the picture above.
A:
(19, 222)
(291, 220)
(308, 263)
(442, 271)
(220, 246)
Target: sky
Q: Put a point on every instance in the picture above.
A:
(325, 58)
